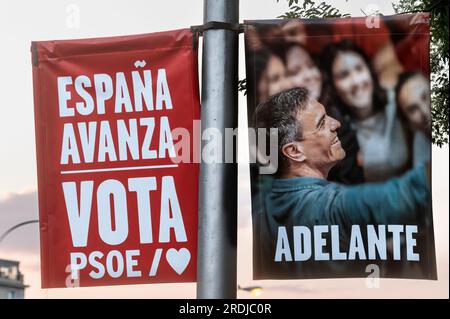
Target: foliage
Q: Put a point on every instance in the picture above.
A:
(309, 9)
(439, 56)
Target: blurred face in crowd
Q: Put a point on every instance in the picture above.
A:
(320, 148)
(294, 32)
(277, 80)
(353, 82)
(303, 72)
(414, 101)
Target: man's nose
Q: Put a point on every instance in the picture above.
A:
(335, 124)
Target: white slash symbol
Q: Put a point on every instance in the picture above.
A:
(155, 262)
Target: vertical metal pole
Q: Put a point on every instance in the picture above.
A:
(216, 275)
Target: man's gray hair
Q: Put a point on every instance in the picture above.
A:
(280, 112)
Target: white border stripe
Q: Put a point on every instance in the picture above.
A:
(114, 169)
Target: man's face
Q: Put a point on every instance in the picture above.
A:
(320, 143)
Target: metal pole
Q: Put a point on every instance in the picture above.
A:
(216, 274)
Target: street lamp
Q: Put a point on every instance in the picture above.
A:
(6, 233)
(13, 277)
(253, 290)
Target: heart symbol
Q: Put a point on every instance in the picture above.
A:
(178, 259)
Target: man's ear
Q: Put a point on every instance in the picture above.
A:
(294, 151)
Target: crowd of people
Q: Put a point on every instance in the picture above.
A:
(382, 103)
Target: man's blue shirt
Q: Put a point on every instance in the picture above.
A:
(309, 201)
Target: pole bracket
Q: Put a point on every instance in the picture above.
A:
(217, 25)
(198, 30)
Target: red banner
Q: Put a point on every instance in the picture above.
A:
(117, 202)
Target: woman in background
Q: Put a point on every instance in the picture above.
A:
(413, 101)
(355, 89)
(303, 70)
(270, 75)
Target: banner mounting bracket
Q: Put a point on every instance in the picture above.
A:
(217, 25)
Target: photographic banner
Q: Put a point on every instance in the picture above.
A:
(341, 154)
(117, 202)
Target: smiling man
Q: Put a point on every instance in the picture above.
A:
(308, 148)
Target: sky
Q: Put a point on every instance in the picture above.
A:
(24, 21)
